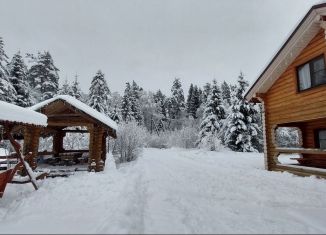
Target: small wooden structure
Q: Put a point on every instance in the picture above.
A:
(12, 116)
(65, 111)
(292, 89)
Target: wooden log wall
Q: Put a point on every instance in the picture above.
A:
(285, 104)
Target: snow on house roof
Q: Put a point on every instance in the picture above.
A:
(81, 106)
(14, 113)
(303, 33)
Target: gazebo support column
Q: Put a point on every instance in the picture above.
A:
(95, 149)
(31, 143)
(104, 149)
(58, 143)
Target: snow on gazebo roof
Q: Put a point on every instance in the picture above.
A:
(16, 114)
(80, 106)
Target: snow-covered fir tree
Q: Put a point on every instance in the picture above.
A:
(99, 94)
(177, 100)
(212, 122)
(226, 93)
(116, 114)
(76, 91)
(242, 128)
(161, 105)
(7, 90)
(206, 92)
(43, 76)
(18, 78)
(189, 99)
(135, 102)
(126, 111)
(65, 89)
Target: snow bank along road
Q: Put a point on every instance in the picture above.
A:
(171, 191)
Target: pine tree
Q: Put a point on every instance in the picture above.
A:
(212, 120)
(43, 76)
(189, 103)
(242, 128)
(206, 92)
(7, 90)
(76, 91)
(226, 93)
(177, 100)
(134, 100)
(116, 114)
(126, 111)
(160, 100)
(99, 94)
(195, 102)
(65, 89)
(18, 78)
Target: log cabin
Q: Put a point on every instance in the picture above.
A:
(62, 112)
(292, 91)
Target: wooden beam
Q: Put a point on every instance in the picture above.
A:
(301, 151)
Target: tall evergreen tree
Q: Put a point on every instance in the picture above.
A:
(43, 76)
(206, 92)
(226, 93)
(126, 111)
(160, 100)
(189, 103)
(242, 128)
(76, 91)
(65, 89)
(7, 90)
(177, 100)
(18, 78)
(116, 114)
(214, 113)
(135, 102)
(99, 94)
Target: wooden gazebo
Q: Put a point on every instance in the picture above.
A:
(63, 112)
(12, 117)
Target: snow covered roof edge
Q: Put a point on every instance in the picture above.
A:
(81, 106)
(13, 113)
(284, 55)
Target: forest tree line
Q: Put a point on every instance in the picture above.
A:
(211, 116)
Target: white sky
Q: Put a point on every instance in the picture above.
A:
(151, 41)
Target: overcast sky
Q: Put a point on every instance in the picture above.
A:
(151, 41)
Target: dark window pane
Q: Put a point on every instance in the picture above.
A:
(319, 78)
(318, 64)
(322, 144)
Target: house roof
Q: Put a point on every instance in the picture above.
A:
(81, 107)
(18, 115)
(304, 32)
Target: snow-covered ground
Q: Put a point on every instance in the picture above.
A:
(170, 191)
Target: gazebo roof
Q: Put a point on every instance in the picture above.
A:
(105, 120)
(11, 113)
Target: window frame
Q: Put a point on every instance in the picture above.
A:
(317, 140)
(322, 56)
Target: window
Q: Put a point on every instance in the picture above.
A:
(322, 139)
(312, 73)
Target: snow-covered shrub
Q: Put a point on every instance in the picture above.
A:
(157, 141)
(211, 143)
(129, 142)
(184, 138)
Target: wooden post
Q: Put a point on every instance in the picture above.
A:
(95, 149)
(31, 143)
(104, 149)
(58, 143)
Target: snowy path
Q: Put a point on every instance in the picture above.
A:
(171, 191)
